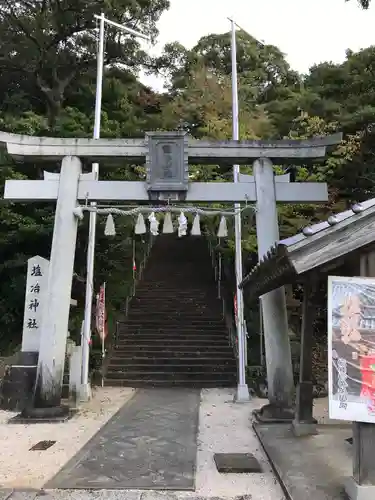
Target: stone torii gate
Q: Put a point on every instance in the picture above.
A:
(167, 156)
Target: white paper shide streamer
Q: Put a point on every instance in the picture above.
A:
(154, 224)
(168, 224)
(182, 225)
(223, 229)
(110, 229)
(140, 227)
(196, 227)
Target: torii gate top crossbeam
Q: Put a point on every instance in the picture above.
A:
(25, 148)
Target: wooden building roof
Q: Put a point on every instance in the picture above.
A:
(312, 249)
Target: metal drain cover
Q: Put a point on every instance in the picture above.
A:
(236, 463)
(42, 445)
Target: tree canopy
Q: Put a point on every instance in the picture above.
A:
(365, 4)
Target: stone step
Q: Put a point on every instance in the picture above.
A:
(188, 270)
(164, 351)
(164, 295)
(177, 312)
(178, 281)
(170, 322)
(171, 334)
(170, 298)
(189, 360)
(177, 330)
(175, 302)
(180, 267)
(187, 324)
(154, 368)
(152, 349)
(167, 288)
(172, 376)
(202, 384)
(155, 341)
(176, 308)
(175, 342)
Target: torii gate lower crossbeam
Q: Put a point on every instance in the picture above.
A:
(167, 174)
(225, 192)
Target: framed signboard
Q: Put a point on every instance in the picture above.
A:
(351, 348)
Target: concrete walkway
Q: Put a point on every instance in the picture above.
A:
(151, 443)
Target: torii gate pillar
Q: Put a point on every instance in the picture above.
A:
(273, 305)
(54, 326)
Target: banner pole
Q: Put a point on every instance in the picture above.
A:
(103, 334)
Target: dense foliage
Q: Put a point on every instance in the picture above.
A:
(47, 87)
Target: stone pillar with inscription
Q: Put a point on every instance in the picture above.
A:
(36, 284)
(19, 378)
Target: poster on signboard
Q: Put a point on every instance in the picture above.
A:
(351, 348)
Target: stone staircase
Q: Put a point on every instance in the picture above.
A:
(174, 334)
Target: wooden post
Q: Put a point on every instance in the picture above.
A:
(361, 486)
(304, 424)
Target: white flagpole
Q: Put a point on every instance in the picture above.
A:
(86, 390)
(103, 334)
(242, 393)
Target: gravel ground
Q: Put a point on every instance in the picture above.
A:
(21, 468)
(321, 413)
(223, 427)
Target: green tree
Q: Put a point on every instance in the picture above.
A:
(365, 4)
(48, 45)
(262, 69)
(47, 87)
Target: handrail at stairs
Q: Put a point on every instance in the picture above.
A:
(137, 276)
(223, 292)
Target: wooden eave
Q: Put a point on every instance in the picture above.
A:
(315, 248)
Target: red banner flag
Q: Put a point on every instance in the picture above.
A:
(101, 313)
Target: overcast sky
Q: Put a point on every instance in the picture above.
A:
(307, 31)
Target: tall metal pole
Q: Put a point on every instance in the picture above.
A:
(242, 394)
(86, 390)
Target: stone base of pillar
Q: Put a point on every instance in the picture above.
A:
(85, 393)
(274, 414)
(18, 383)
(357, 491)
(242, 394)
(301, 428)
(53, 414)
